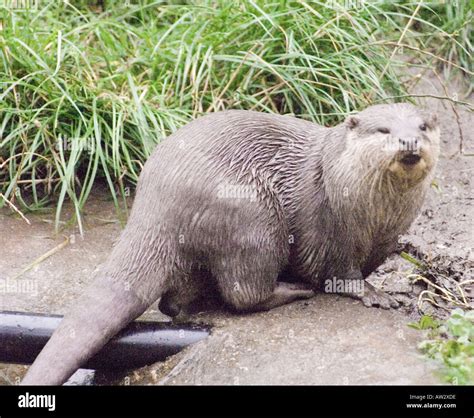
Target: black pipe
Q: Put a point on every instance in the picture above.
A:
(23, 335)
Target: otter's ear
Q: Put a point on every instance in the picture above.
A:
(351, 122)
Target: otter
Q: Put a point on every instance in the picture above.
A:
(236, 199)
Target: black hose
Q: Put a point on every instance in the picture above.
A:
(23, 335)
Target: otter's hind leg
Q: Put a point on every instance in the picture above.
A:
(285, 293)
(248, 282)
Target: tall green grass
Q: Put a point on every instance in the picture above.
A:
(87, 92)
(444, 29)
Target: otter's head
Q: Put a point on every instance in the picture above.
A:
(399, 139)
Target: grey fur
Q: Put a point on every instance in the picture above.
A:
(318, 202)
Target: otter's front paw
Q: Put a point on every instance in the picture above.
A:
(377, 298)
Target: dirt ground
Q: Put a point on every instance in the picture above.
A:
(326, 340)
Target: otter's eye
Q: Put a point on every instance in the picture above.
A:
(384, 130)
(423, 126)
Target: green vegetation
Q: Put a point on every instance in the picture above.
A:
(87, 92)
(454, 39)
(451, 345)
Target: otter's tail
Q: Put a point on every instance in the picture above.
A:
(100, 313)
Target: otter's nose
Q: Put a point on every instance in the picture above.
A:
(409, 144)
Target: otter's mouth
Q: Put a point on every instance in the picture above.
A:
(410, 159)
